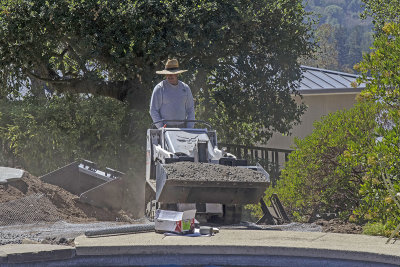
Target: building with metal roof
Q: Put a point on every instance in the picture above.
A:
(322, 81)
(323, 91)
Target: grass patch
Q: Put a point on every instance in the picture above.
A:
(377, 229)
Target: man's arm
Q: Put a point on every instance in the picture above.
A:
(190, 109)
(155, 106)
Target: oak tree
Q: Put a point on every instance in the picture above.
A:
(242, 55)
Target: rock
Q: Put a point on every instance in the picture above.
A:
(63, 240)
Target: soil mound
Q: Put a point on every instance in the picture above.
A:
(30, 200)
(339, 226)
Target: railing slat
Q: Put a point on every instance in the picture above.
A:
(269, 156)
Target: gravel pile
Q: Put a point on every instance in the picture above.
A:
(34, 211)
(30, 200)
(211, 172)
(60, 232)
(32, 208)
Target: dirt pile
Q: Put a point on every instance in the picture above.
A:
(339, 226)
(29, 200)
(211, 172)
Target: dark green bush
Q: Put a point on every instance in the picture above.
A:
(380, 72)
(378, 201)
(325, 172)
(41, 135)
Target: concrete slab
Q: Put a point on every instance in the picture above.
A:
(229, 247)
(24, 253)
(247, 243)
(3, 257)
(10, 173)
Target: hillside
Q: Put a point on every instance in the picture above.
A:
(342, 36)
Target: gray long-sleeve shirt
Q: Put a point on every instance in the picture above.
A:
(172, 102)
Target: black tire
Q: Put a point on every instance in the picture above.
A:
(232, 214)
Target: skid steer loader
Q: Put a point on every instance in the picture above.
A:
(182, 173)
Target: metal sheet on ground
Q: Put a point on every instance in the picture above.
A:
(10, 173)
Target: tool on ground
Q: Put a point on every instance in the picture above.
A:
(206, 230)
(126, 229)
(275, 214)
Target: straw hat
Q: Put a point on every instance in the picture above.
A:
(171, 67)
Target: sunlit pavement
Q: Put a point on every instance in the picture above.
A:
(229, 247)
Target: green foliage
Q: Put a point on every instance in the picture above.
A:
(380, 198)
(379, 192)
(378, 229)
(254, 102)
(381, 11)
(41, 136)
(339, 48)
(345, 11)
(326, 56)
(113, 48)
(355, 6)
(325, 171)
(382, 65)
(333, 14)
(342, 36)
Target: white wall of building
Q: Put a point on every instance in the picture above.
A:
(318, 105)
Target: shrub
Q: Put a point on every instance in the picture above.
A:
(325, 172)
(350, 164)
(378, 229)
(379, 70)
(379, 192)
(41, 135)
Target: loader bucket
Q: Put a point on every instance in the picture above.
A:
(206, 189)
(105, 189)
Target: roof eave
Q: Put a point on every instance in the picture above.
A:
(332, 91)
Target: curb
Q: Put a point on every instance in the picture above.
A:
(229, 247)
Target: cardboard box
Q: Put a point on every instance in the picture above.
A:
(175, 221)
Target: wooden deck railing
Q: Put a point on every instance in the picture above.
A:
(272, 159)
